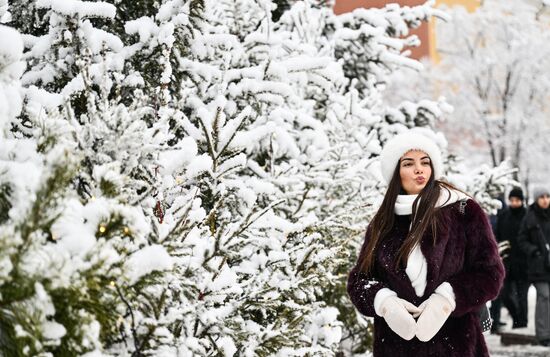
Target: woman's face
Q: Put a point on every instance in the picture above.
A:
(415, 171)
(544, 201)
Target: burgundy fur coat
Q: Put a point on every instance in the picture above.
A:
(465, 255)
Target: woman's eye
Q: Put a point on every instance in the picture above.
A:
(426, 163)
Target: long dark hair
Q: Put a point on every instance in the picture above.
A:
(424, 215)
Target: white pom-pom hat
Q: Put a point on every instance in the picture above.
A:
(400, 144)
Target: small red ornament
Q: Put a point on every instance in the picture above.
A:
(158, 211)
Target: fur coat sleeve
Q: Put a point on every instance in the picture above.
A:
(483, 272)
(362, 288)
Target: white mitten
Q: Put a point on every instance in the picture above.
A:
(398, 315)
(434, 312)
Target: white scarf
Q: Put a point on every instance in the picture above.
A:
(417, 267)
(403, 203)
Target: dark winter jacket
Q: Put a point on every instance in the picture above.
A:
(465, 255)
(534, 235)
(507, 229)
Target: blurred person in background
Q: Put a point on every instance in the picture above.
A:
(534, 241)
(516, 285)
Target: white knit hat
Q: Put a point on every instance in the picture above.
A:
(400, 144)
(539, 191)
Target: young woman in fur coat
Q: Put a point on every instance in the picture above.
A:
(429, 260)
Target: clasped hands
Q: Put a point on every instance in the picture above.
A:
(400, 316)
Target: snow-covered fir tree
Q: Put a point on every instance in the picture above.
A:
(202, 173)
(90, 220)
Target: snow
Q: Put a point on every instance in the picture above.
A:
(147, 260)
(95, 353)
(41, 99)
(144, 26)
(225, 279)
(19, 162)
(166, 35)
(229, 130)
(326, 327)
(233, 163)
(174, 160)
(493, 341)
(198, 165)
(109, 173)
(77, 237)
(97, 39)
(90, 334)
(80, 8)
(305, 63)
(53, 330)
(5, 16)
(170, 9)
(402, 61)
(227, 346)
(74, 86)
(11, 46)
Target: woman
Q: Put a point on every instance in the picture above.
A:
(429, 261)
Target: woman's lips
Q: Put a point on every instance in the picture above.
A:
(420, 180)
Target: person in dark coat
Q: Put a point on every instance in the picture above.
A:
(516, 285)
(429, 260)
(534, 241)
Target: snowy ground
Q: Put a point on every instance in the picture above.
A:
(498, 350)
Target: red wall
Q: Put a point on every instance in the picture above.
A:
(342, 6)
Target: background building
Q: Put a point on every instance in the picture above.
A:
(426, 32)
